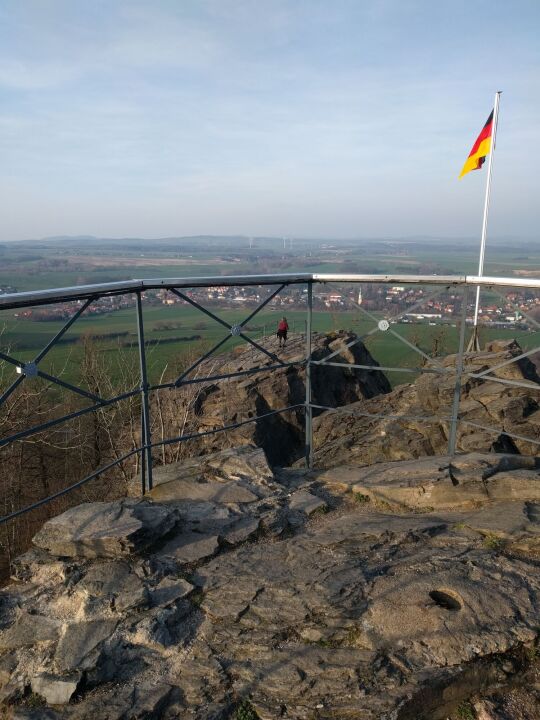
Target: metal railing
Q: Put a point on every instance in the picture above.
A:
(179, 287)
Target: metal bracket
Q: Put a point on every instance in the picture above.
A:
(30, 370)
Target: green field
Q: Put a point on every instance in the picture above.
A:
(24, 338)
(26, 278)
(43, 264)
(32, 265)
(430, 263)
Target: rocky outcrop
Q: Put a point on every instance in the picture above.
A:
(317, 598)
(204, 407)
(226, 476)
(436, 483)
(484, 403)
(104, 529)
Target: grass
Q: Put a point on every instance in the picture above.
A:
(465, 711)
(26, 337)
(361, 498)
(353, 636)
(493, 542)
(325, 643)
(32, 265)
(196, 597)
(245, 711)
(384, 506)
(32, 279)
(34, 700)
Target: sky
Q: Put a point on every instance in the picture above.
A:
(297, 118)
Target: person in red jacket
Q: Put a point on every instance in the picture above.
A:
(282, 330)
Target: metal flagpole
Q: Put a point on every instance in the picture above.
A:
(473, 343)
(309, 399)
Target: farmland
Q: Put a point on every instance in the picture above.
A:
(25, 338)
(174, 332)
(59, 262)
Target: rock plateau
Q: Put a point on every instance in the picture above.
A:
(404, 591)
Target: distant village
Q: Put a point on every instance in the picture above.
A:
(7, 289)
(409, 304)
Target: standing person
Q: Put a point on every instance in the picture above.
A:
(282, 330)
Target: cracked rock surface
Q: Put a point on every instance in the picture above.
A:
(488, 407)
(312, 601)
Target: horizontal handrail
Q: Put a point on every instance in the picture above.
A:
(81, 292)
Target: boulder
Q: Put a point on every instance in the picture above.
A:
(365, 610)
(105, 530)
(240, 531)
(506, 520)
(136, 701)
(245, 465)
(41, 713)
(446, 615)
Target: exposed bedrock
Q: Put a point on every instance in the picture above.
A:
(302, 596)
(485, 402)
(206, 406)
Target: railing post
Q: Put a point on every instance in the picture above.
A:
(143, 454)
(308, 408)
(146, 460)
(452, 438)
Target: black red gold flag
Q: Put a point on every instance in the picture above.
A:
(480, 149)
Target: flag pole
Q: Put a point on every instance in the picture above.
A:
(473, 343)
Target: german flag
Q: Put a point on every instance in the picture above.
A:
(480, 149)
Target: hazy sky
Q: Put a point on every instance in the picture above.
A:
(342, 118)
